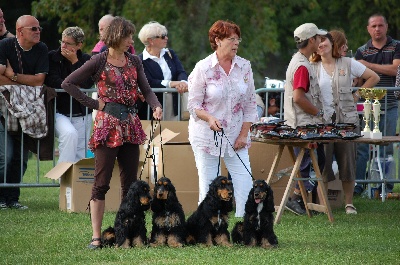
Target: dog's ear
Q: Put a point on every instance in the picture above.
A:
(270, 200)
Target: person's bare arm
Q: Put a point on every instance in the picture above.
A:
(386, 69)
(300, 99)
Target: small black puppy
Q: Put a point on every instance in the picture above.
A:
(258, 225)
(168, 216)
(208, 225)
(130, 225)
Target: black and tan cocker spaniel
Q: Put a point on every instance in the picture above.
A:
(168, 222)
(130, 225)
(208, 225)
(257, 229)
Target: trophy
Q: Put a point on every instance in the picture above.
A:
(378, 94)
(367, 94)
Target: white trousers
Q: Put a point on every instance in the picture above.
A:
(73, 136)
(207, 167)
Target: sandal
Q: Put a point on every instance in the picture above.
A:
(94, 247)
(350, 209)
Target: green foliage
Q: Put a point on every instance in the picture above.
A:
(267, 26)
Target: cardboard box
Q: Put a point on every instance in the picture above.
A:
(335, 193)
(76, 181)
(189, 200)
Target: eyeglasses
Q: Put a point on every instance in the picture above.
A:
(66, 43)
(163, 36)
(235, 39)
(34, 28)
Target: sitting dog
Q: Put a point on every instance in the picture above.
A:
(208, 225)
(258, 225)
(168, 216)
(130, 225)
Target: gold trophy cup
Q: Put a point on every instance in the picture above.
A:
(367, 94)
(378, 94)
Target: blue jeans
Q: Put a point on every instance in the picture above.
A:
(12, 158)
(363, 149)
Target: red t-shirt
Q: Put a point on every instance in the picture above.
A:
(301, 79)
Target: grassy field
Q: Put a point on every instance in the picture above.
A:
(44, 235)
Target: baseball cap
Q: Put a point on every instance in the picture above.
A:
(306, 31)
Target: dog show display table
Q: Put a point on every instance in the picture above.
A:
(295, 173)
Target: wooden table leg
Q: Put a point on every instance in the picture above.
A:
(275, 164)
(285, 197)
(321, 187)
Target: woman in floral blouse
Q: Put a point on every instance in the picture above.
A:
(222, 96)
(117, 129)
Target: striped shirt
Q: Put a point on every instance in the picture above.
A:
(389, 52)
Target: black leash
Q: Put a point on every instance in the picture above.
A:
(216, 134)
(151, 138)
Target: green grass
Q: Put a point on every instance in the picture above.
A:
(44, 235)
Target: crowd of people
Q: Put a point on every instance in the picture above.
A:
(221, 101)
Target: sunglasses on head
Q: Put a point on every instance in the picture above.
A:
(33, 28)
(161, 37)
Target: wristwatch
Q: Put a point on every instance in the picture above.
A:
(14, 77)
(320, 113)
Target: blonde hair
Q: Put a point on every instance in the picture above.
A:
(151, 30)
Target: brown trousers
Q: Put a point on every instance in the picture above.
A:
(128, 161)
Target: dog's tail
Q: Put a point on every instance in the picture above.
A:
(108, 237)
(237, 233)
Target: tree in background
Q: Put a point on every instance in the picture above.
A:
(267, 26)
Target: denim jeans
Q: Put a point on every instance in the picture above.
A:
(363, 149)
(12, 158)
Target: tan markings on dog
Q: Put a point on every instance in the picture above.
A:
(261, 195)
(224, 194)
(173, 242)
(126, 244)
(109, 236)
(163, 195)
(209, 242)
(222, 240)
(214, 220)
(190, 239)
(159, 240)
(265, 243)
(137, 242)
(144, 200)
(169, 221)
(252, 242)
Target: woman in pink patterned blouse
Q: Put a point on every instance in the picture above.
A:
(117, 129)
(222, 96)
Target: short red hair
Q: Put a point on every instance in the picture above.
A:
(222, 29)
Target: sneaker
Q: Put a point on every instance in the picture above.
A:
(295, 207)
(17, 205)
(3, 206)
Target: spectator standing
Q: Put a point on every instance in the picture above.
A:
(23, 60)
(222, 96)
(73, 121)
(303, 103)
(335, 77)
(104, 22)
(162, 68)
(117, 129)
(4, 33)
(381, 54)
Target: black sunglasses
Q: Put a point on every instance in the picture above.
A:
(34, 28)
(161, 37)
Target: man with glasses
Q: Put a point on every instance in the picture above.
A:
(302, 104)
(73, 120)
(23, 60)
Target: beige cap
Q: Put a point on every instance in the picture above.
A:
(306, 31)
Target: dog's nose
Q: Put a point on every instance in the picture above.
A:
(256, 194)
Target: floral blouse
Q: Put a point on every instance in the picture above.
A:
(117, 84)
(229, 98)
